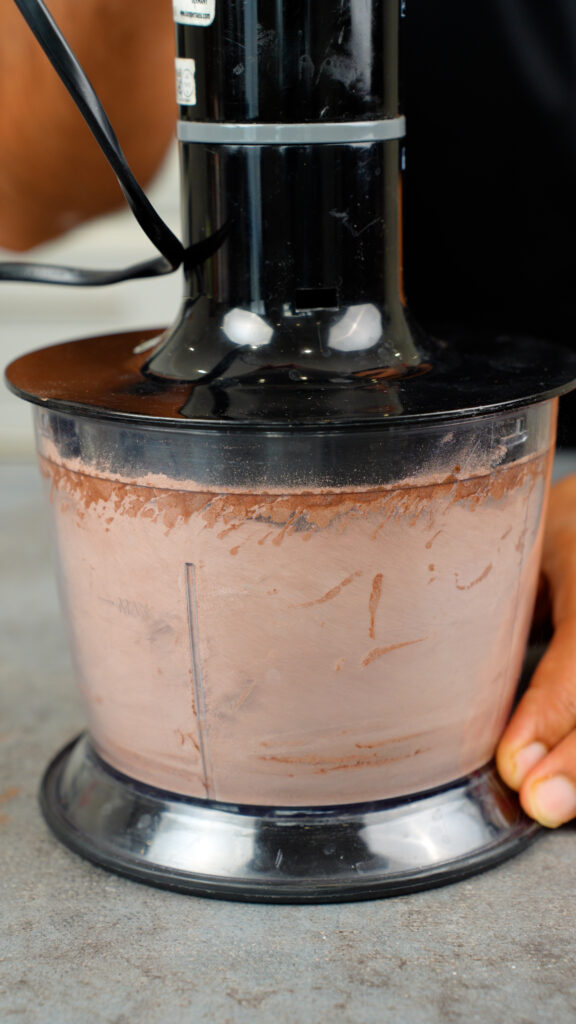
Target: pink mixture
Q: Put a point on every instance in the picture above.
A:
(300, 648)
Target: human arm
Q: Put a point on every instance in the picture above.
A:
(537, 753)
(52, 173)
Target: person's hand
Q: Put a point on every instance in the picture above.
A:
(537, 753)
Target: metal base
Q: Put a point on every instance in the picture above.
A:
(280, 855)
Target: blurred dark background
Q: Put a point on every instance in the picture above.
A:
(490, 208)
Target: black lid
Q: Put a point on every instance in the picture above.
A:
(465, 377)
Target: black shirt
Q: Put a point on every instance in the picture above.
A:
(490, 208)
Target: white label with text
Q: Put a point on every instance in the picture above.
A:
(194, 12)
(185, 81)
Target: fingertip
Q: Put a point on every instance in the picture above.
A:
(550, 801)
(514, 765)
(505, 766)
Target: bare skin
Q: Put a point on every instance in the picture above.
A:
(52, 176)
(537, 753)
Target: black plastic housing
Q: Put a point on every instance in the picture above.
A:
(303, 297)
(294, 60)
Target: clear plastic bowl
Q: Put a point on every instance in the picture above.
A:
(295, 619)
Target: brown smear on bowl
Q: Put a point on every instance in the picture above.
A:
(317, 621)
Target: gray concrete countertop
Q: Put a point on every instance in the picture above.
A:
(79, 944)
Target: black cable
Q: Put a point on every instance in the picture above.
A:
(48, 273)
(67, 67)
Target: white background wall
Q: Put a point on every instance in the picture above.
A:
(32, 316)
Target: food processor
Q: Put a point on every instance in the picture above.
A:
(298, 539)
